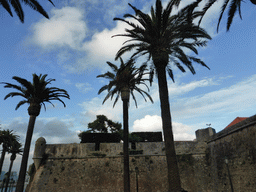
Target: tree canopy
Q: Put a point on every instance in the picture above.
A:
(104, 125)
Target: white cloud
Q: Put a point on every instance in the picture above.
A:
(103, 47)
(179, 89)
(148, 123)
(154, 123)
(66, 33)
(65, 28)
(234, 98)
(83, 87)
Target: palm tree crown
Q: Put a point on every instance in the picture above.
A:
(7, 138)
(7, 4)
(16, 148)
(36, 93)
(125, 78)
(164, 36)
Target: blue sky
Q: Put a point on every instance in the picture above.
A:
(73, 47)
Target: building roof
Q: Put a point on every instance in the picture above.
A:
(235, 121)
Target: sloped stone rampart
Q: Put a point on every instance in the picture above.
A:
(106, 174)
(238, 146)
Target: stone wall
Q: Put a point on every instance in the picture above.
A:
(78, 167)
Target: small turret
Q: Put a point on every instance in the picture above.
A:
(204, 134)
(39, 151)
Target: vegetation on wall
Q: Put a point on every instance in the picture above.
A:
(103, 125)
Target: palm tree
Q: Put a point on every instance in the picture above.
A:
(35, 94)
(123, 82)
(7, 137)
(14, 150)
(163, 36)
(7, 4)
(234, 6)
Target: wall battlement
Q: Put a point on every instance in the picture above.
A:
(87, 150)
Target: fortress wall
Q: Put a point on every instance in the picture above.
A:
(238, 145)
(77, 167)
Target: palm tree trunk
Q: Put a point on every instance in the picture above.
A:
(174, 183)
(9, 173)
(2, 159)
(126, 146)
(24, 161)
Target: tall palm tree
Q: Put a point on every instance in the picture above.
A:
(35, 94)
(7, 137)
(163, 36)
(16, 5)
(123, 82)
(234, 6)
(14, 150)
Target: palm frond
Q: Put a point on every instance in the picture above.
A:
(206, 7)
(113, 67)
(24, 83)
(199, 61)
(177, 64)
(6, 6)
(105, 87)
(142, 18)
(223, 8)
(18, 8)
(170, 73)
(21, 103)
(231, 12)
(134, 99)
(12, 94)
(37, 7)
(117, 98)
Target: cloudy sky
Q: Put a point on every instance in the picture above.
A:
(73, 47)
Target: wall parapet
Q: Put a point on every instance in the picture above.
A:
(87, 150)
